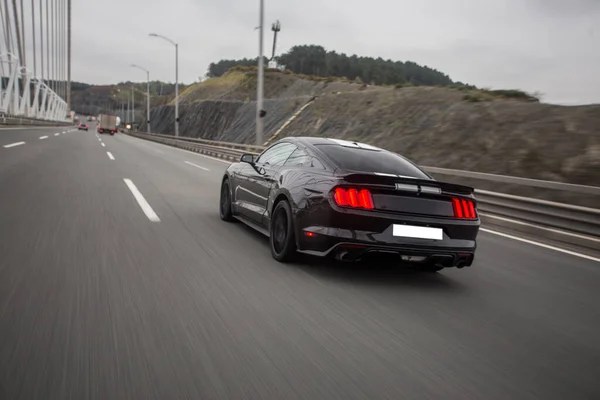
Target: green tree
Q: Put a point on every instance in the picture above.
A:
(315, 60)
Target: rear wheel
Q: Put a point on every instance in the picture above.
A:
(281, 233)
(225, 202)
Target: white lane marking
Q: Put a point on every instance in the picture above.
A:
(577, 235)
(142, 201)
(8, 146)
(110, 155)
(103, 145)
(43, 137)
(56, 134)
(546, 246)
(196, 165)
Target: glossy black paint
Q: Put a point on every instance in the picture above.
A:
(256, 187)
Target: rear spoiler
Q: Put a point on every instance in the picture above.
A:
(406, 183)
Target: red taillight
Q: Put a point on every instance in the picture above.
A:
(352, 197)
(340, 197)
(309, 234)
(464, 209)
(365, 199)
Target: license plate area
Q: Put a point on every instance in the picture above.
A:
(418, 232)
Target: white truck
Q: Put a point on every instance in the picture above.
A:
(107, 123)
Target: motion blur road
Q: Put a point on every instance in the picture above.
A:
(99, 301)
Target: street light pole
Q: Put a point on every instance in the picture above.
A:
(132, 107)
(176, 78)
(259, 93)
(176, 89)
(148, 100)
(147, 94)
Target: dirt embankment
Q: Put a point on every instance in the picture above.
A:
(434, 126)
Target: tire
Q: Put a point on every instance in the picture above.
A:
(281, 233)
(225, 202)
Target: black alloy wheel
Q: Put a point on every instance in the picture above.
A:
(281, 235)
(225, 202)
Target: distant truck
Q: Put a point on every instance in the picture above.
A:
(107, 123)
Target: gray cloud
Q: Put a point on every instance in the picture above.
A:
(550, 46)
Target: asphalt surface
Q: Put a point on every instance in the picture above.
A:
(98, 301)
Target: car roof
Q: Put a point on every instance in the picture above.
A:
(311, 141)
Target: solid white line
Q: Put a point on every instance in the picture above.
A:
(56, 134)
(103, 145)
(8, 146)
(196, 165)
(541, 245)
(541, 227)
(110, 155)
(43, 137)
(142, 201)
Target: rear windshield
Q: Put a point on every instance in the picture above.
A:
(377, 161)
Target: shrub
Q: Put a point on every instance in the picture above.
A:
(513, 94)
(473, 97)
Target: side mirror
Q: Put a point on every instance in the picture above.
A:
(247, 158)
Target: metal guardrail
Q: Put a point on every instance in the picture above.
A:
(564, 223)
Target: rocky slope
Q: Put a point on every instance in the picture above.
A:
(444, 127)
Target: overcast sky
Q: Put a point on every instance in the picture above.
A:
(547, 46)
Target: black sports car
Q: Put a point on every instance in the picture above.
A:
(330, 197)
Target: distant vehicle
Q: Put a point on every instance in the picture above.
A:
(347, 200)
(107, 123)
(82, 127)
(117, 124)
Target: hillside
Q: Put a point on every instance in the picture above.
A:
(89, 99)
(503, 132)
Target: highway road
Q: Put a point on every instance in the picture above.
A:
(118, 280)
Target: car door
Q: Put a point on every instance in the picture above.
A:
(258, 179)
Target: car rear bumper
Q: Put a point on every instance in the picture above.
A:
(353, 245)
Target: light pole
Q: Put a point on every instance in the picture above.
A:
(176, 79)
(147, 94)
(132, 107)
(260, 113)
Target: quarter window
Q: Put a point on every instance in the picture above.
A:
(276, 155)
(298, 158)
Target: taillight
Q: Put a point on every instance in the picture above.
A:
(464, 209)
(352, 197)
